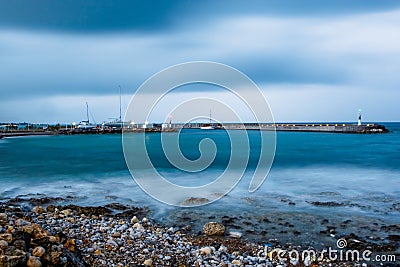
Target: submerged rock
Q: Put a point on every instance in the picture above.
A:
(326, 204)
(116, 206)
(195, 201)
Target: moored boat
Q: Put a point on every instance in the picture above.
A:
(208, 126)
(86, 125)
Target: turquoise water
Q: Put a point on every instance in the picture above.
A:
(362, 171)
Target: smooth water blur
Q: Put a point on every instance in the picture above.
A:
(362, 171)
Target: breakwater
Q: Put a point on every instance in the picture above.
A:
(25, 133)
(154, 128)
(313, 127)
(301, 127)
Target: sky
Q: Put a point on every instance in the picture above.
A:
(313, 60)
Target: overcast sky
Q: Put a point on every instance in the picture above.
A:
(314, 60)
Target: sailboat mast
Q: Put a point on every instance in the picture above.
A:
(120, 113)
(210, 116)
(87, 112)
(120, 107)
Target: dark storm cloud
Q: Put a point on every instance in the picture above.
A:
(150, 15)
(86, 16)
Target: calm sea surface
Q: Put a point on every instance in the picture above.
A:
(362, 172)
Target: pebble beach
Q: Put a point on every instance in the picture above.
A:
(46, 234)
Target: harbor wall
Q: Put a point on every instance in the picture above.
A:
(328, 128)
(309, 127)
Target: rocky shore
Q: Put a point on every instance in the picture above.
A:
(44, 233)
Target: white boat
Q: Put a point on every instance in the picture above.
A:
(116, 124)
(86, 125)
(207, 126)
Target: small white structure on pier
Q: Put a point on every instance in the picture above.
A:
(146, 125)
(359, 117)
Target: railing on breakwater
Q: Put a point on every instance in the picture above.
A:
(313, 127)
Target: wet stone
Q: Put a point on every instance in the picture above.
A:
(34, 262)
(38, 251)
(213, 228)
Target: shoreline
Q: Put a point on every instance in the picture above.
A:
(120, 235)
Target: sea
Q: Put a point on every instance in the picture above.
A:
(314, 176)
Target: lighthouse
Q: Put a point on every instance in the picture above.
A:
(359, 117)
